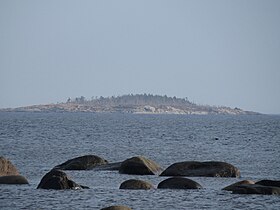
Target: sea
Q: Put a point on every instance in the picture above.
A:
(36, 142)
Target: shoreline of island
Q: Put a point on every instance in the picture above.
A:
(133, 104)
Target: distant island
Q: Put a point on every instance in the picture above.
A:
(136, 104)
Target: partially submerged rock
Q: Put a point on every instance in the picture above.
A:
(139, 166)
(13, 179)
(179, 183)
(116, 208)
(134, 184)
(264, 187)
(7, 168)
(9, 173)
(267, 182)
(58, 180)
(256, 189)
(86, 162)
(205, 169)
(233, 186)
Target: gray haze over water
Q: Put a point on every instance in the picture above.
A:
(213, 52)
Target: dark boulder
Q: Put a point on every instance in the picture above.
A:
(264, 187)
(86, 162)
(134, 184)
(235, 185)
(7, 168)
(178, 183)
(58, 180)
(256, 189)
(13, 179)
(205, 169)
(272, 183)
(139, 166)
(116, 208)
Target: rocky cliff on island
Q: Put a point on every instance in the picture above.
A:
(136, 104)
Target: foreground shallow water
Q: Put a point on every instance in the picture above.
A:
(36, 142)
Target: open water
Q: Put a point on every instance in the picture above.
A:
(36, 142)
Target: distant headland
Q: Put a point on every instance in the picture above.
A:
(133, 103)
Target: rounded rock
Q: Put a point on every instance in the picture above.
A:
(233, 186)
(204, 169)
(179, 183)
(139, 166)
(134, 184)
(85, 162)
(13, 179)
(58, 180)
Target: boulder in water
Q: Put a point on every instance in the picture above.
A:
(9, 173)
(264, 187)
(179, 183)
(134, 184)
(139, 166)
(58, 180)
(267, 182)
(86, 162)
(7, 168)
(233, 186)
(256, 189)
(204, 169)
(13, 179)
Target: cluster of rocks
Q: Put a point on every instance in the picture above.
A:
(264, 187)
(58, 179)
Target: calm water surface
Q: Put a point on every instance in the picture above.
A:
(36, 142)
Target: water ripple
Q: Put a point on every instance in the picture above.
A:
(36, 142)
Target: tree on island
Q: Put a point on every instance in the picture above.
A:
(134, 100)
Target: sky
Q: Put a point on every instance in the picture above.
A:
(218, 52)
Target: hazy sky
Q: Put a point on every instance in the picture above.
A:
(213, 52)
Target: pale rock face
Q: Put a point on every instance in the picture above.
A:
(7, 168)
(9, 173)
(139, 166)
